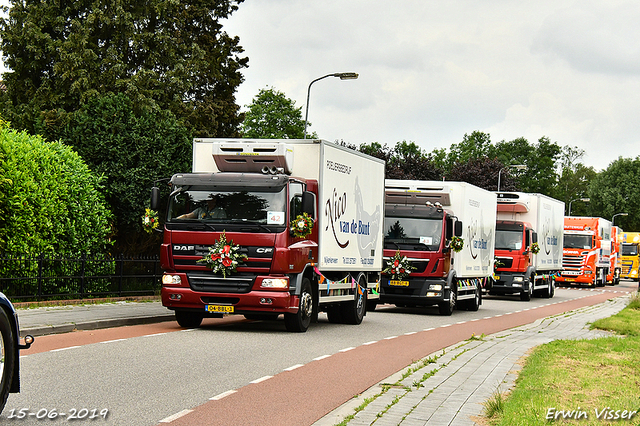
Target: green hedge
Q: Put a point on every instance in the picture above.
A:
(50, 202)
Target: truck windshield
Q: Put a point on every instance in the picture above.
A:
(577, 241)
(198, 204)
(629, 249)
(508, 240)
(412, 233)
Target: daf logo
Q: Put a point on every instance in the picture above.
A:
(264, 250)
(183, 248)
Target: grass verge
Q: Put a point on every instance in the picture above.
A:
(585, 382)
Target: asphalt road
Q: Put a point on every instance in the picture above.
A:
(144, 374)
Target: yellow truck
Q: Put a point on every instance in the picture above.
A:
(630, 256)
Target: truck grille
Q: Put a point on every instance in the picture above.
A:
(210, 283)
(572, 262)
(505, 262)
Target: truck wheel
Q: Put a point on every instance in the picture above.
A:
(354, 311)
(446, 308)
(189, 319)
(551, 288)
(8, 351)
(525, 295)
(474, 304)
(299, 322)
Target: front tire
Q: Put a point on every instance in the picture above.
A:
(8, 351)
(299, 322)
(474, 304)
(353, 312)
(525, 295)
(446, 308)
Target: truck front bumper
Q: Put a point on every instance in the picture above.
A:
(252, 302)
(508, 283)
(414, 291)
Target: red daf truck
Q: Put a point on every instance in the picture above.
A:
(438, 244)
(269, 227)
(529, 233)
(587, 251)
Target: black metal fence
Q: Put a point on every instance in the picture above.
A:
(48, 277)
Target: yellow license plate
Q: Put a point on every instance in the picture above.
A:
(399, 283)
(569, 279)
(219, 308)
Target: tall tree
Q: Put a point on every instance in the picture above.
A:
(574, 180)
(272, 115)
(161, 53)
(617, 190)
(405, 161)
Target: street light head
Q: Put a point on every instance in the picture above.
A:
(519, 166)
(586, 200)
(347, 75)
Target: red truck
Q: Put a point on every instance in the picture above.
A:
(263, 228)
(529, 233)
(587, 251)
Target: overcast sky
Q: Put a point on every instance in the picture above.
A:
(431, 71)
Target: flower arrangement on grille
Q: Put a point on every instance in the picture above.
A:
(223, 257)
(534, 248)
(150, 220)
(302, 225)
(456, 244)
(398, 267)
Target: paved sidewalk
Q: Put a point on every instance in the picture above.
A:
(450, 386)
(63, 319)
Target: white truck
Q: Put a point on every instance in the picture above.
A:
(269, 227)
(442, 235)
(529, 235)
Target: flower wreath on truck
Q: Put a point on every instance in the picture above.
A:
(223, 258)
(150, 220)
(398, 267)
(302, 225)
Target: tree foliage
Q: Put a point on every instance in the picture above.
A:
(404, 161)
(132, 151)
(272, 115)
(51, 202)
(163, 54)
(617, 190)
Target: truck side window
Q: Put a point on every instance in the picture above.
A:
(295, 199)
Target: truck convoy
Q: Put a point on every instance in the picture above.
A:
(631, 256)
(269, 227)
(438, 244)
(529, 233)
(587, 251)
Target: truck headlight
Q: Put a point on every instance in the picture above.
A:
(435, 287)
(275, 283)
(517, 279)
(171, 279)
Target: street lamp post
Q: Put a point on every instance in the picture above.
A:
(514, 166)
(618, 214)
(586, 200)
(341, 75)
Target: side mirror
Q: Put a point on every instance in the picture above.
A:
(308, 203)
(155, 197)
(457, 228)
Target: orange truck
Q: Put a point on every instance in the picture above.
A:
(631, 256)
(586, 252)
(615, 268)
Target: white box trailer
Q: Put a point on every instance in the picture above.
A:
(538, 219)
(421, 218)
